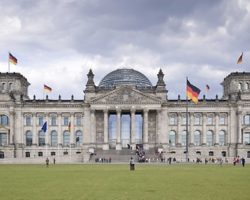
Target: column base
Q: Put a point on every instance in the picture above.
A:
(145, 146)
(105, 147)
(118, 147)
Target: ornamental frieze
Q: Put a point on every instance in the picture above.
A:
(126, 95)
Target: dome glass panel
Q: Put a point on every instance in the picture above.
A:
(125, 77)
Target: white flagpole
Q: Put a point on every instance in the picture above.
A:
(9, 63)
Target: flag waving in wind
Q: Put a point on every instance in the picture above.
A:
(240, 59)
(207, 88)
(44, 127)
(192, 92)
(12, 59)
(47, 88)
(69, 126)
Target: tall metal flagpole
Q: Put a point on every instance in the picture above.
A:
(9, 63)
(186, 124)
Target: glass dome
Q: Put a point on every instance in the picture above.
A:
(125, 77)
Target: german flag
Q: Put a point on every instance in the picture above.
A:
(192, 92)
(12, 59)
(69, 127)
(47, 88)
(240, 59)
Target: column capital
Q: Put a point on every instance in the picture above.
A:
(145, 110)
(105, 110)
(132, 110)
(118, 110)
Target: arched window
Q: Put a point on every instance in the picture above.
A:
(4, 120)
(28, 138)
(66, 138)
(172, 138)
(224, 153)
(78, 138)
(41, 138)
(54, 140)
(240, 86)
(210, 138)
(222, 139)
(197, 138)
(211, 153)
(248, 86)
(184, 138)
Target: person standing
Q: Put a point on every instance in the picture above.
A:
(132, 164)
(47, 162)
(54, 161)
(243, 161)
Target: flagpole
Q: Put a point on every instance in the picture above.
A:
(9, 64)
(186, 126)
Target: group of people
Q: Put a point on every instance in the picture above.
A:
(47, 161)
(238, 160)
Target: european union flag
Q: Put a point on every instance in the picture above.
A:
(44, 127)
(77, 139)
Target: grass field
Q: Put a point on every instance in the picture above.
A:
(116, 182)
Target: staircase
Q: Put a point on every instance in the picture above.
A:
(117, 156)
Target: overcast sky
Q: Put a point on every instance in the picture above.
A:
(56, 42)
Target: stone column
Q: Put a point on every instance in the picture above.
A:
(72, 130)
(92, 127)
(239, 128)
(59, 134)
(105, 131)
(178, 134)
(204, 130)
(191, 129)
(12, 127)
(216, 134)
(86, 127)
(34, 130)
(158, 127)
(145, 128)
(164, 138)
(118, 129)
(133, 142)
(47, 134)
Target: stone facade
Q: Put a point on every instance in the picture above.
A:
(216, 127)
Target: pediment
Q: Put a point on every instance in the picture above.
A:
(126, 95)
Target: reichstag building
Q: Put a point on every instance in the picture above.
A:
(124, 111)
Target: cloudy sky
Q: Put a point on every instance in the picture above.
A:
(56, 42)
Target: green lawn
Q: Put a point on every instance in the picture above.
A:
(116, 182)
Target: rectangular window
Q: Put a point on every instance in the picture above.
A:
(40, 120)
(65, 121)
(246, 138)
(247, 119)
(78, 121)
(3, 139)
(210, 120)
(28, 120)
(197, 120)
(53, 121)
(222, 120)
(172, 120)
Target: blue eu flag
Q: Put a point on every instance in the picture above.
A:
(44, 127)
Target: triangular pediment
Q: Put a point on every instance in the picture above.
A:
(126, 95)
